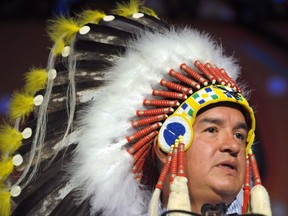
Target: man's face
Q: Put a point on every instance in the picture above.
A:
(215, 162)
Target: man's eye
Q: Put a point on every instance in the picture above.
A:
(211, 130)
(240, 136)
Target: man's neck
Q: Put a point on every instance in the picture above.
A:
(197, 203)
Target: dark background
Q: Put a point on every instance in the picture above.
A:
(254, 31)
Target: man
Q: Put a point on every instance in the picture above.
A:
(215, 162)
(139, 81)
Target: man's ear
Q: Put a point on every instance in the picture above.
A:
(162, 156)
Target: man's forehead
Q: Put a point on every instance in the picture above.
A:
(220, 105)
(240, 124)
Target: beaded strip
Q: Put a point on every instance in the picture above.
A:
(254, 167)
(246, 187)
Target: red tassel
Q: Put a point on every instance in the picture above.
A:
(181, 166)
(201, 67)
(215, 74)
(233, 83)
(145, 121)
(138, 167)
(246, 187)
(174, 163)
(140, 156)
(141, 142)
(143, 132)
(147, 102)
(256, 175)
(140, 152)
(153, 112)
(164, 172)
(169, 94)
(194, 74)
(176, 87)
(184, 79)
(223, 76)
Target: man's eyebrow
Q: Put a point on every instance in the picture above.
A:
(211, 120)
(240, 125)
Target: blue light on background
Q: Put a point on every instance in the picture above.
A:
(4, 100)
(62, 6)
(276, 85)
(264, 58)
(279, 1)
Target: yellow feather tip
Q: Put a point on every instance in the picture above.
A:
(128, 9)
(59, 46)
(20, 105)
(90, 16)
(6, 168)
(148, 11)
(134, 6)
(5, 205)
(61, 30)
(10, 139)
(35, 80)
(63, 27)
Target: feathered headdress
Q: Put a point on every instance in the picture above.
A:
(83, 129)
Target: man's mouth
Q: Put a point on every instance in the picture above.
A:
(229, 166)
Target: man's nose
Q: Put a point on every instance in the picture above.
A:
(230, 145)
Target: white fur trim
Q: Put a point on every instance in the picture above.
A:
(154, 203)
(260, 201)
(179, 195)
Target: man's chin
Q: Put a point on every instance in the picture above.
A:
(227, 192)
